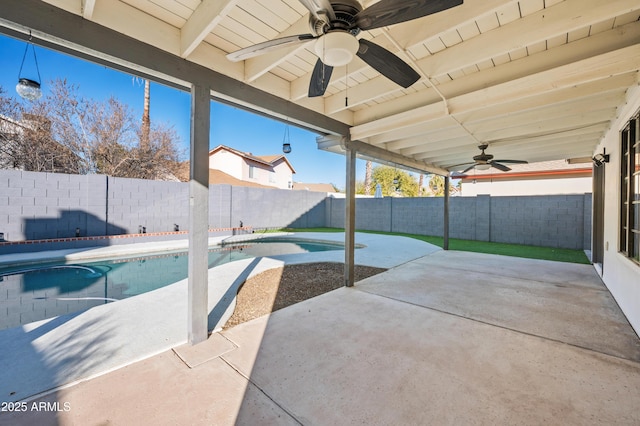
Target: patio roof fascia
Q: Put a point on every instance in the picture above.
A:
(367, 151)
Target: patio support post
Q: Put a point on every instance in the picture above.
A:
(198, 311)
(445, 244)
(350, 218)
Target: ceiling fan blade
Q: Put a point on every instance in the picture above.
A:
(318, 6)
(512, 161)
(319, 79)
(500, 166)
(468, 168)
(387, 64)
(389, 12)
(268, 46)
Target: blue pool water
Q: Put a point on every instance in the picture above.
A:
(35, 292)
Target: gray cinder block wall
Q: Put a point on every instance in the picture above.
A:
(562, 221)
(49, 205)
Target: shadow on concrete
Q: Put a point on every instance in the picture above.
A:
(42, 356)
(226, 301)
(394, 350)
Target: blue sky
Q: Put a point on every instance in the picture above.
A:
(229, 126)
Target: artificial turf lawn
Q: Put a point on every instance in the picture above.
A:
(515, 250)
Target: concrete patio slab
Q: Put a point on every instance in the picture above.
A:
(194, 355)
(555, 300)
(351, 357)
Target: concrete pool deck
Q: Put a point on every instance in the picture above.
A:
(448, 338)
(56, 352)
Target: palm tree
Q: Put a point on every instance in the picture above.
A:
(146, 120)
(367, 178)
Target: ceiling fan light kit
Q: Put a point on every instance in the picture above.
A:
(336, 48)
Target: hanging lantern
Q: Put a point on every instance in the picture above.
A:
(286, 142)
(26, 87)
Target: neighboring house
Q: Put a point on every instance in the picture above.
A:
(218, 177)
(315, 187)
(272, 171)
(544, 178)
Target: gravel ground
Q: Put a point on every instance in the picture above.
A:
(280, 287)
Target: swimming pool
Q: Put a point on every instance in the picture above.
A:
(35, 292)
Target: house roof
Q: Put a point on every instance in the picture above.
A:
(267, 160)
(316, 187)
(536, 80)
(556, 169)
(218, 177)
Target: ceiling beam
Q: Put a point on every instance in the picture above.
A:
(444, 145)
(580, 49)
(549, 125)
(426, 129)
(460, 154)
(339, 145)
(617, 38)
(416, 32)
(557, 20)
(202, 21)
(589, 70)
(543, 150)
(603, 87)
(87, 8)
(460, 150)
(555, 111)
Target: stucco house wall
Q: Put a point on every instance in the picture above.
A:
(620, 274)
(579, 185)
(227, 162)
(283, 175)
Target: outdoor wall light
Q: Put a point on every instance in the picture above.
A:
(26, 87)
(600, 159)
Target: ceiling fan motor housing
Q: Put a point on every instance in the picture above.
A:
(345, 12)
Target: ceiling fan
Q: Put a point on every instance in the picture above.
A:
(485, 161)
(334, 26)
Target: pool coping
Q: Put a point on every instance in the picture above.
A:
(57, 352)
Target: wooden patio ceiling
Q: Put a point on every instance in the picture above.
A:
(535, 79)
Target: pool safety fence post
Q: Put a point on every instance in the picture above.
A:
(198, 310)
(350, 218)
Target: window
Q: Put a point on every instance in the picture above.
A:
(630, 190)
(251, 172)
